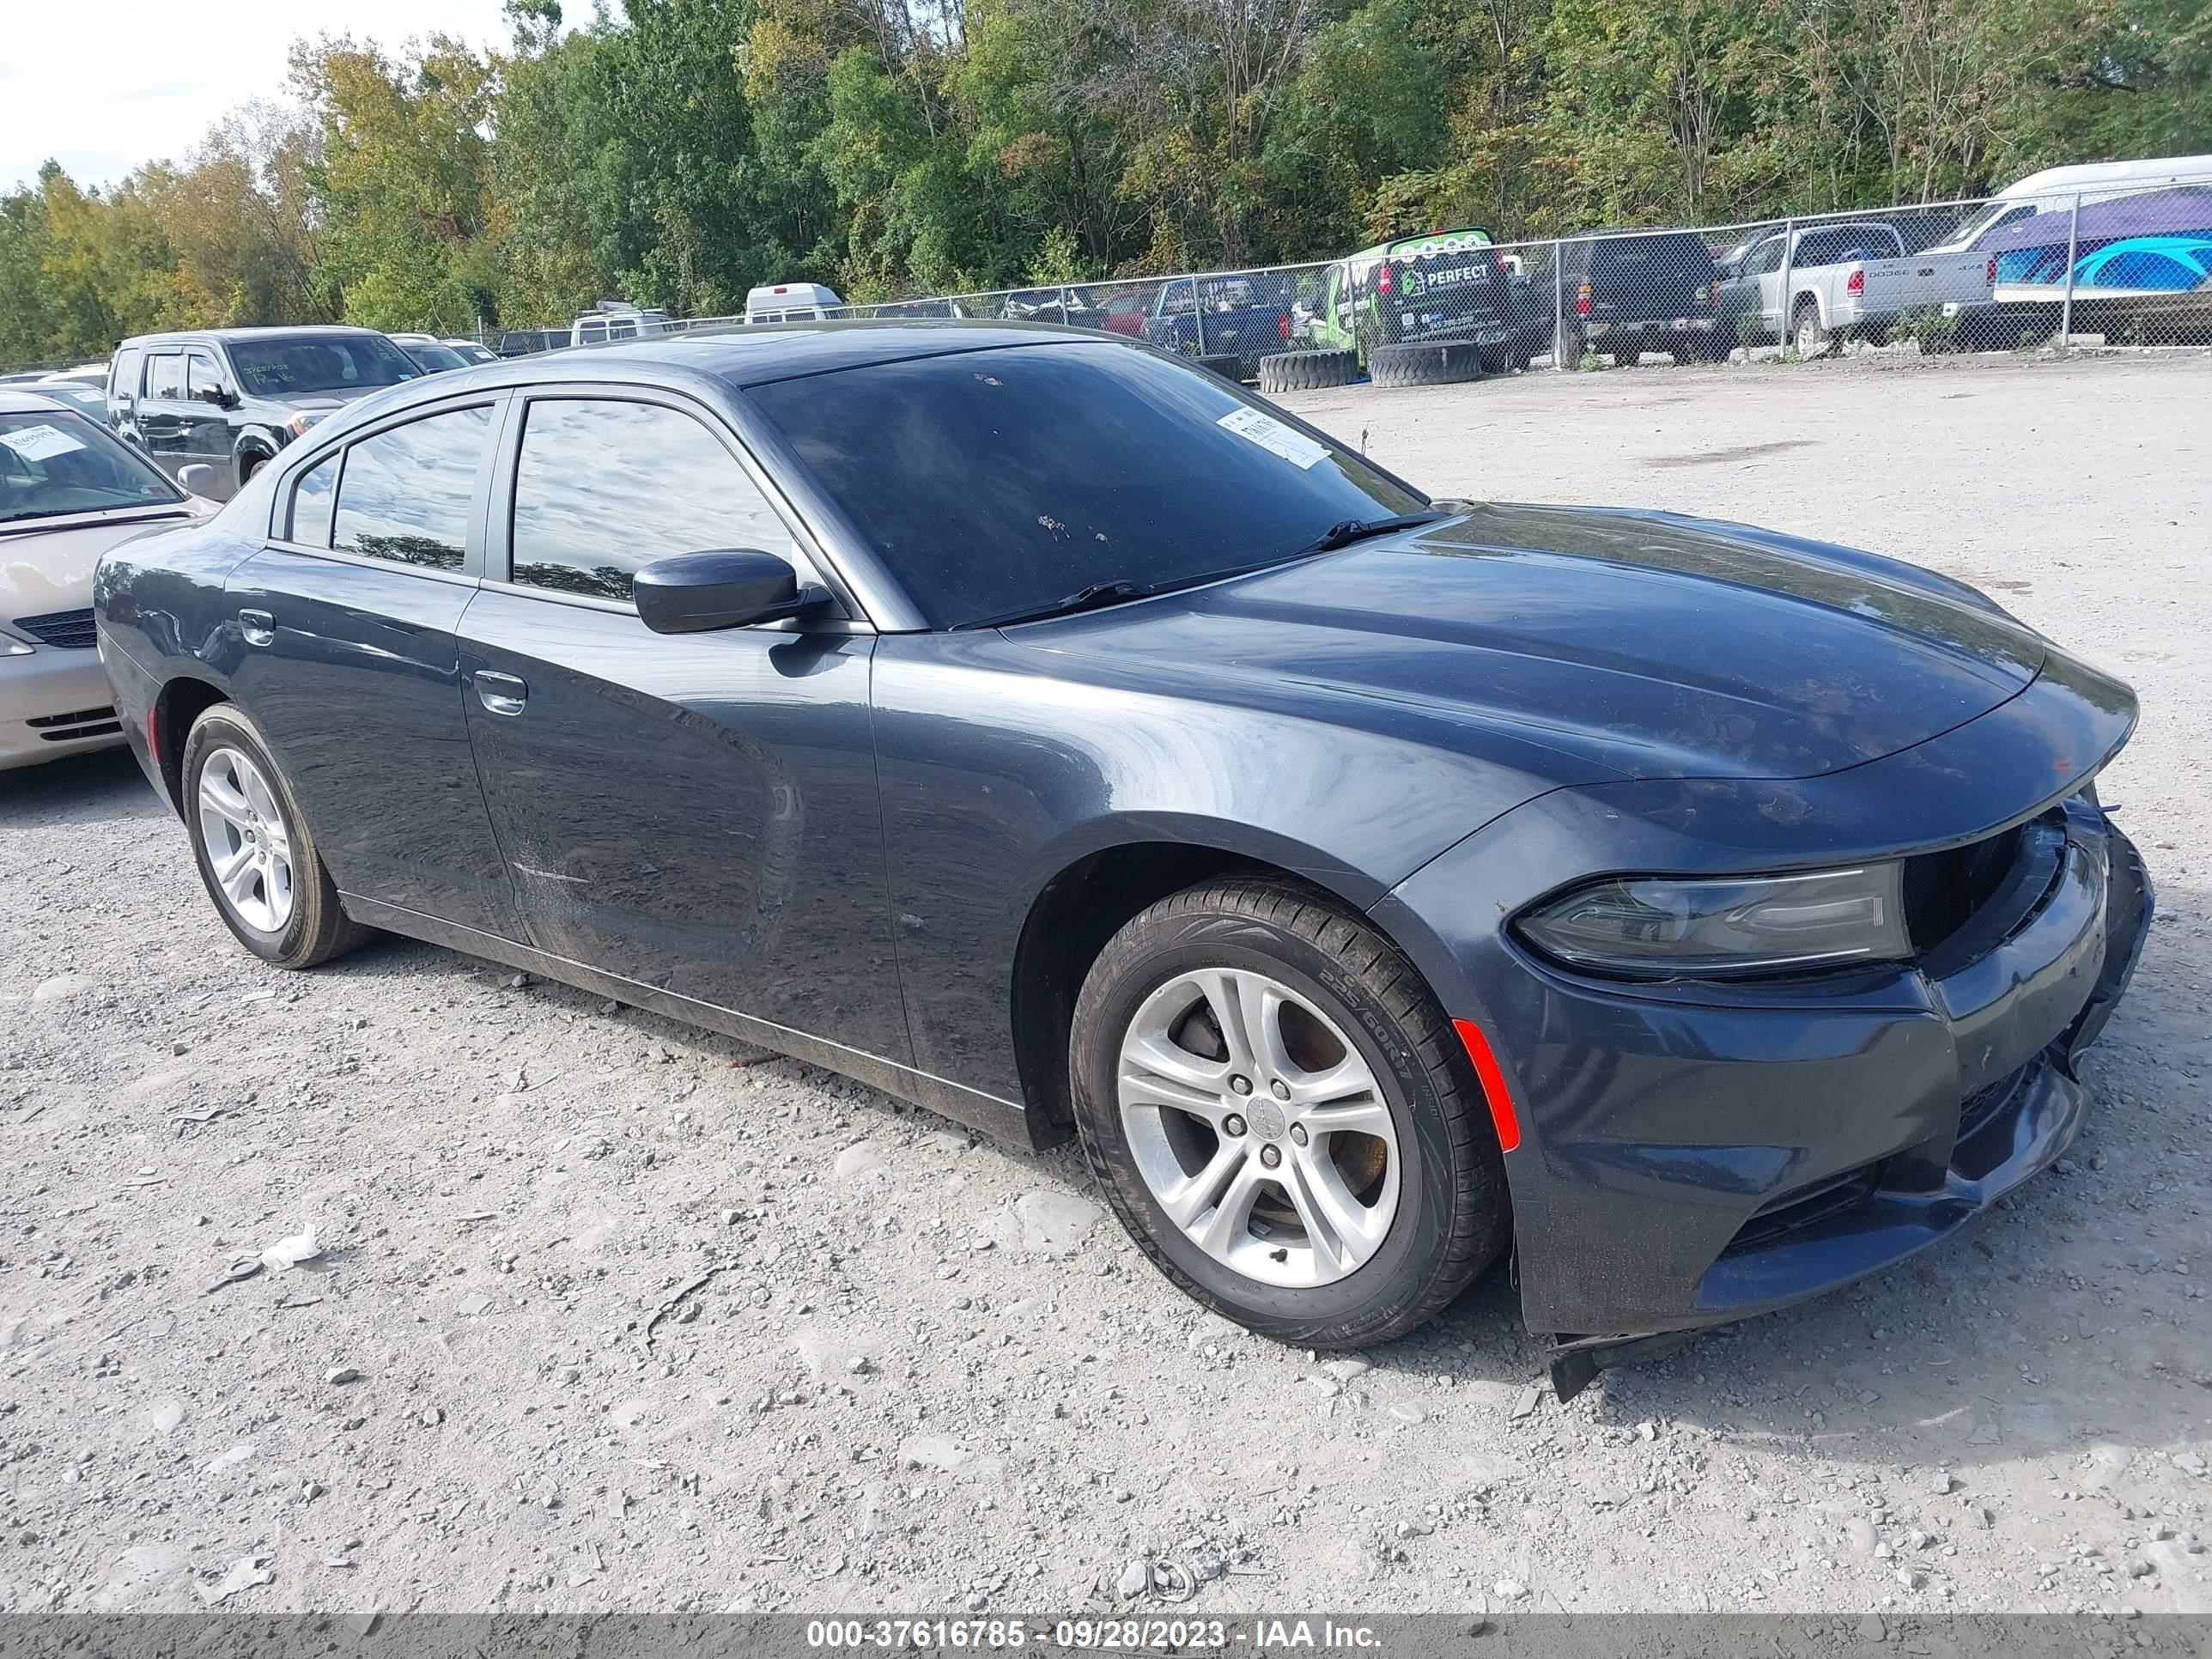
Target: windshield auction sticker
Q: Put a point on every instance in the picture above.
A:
(40, 443)
(1270, 434)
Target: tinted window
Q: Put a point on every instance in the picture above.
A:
(991, 482)
(1829, 247)
(202, 373)
(312, 498)
(282, 367)
(433, 359)
(124, 372)
(59, 463)
(602, 489)
(165, 375)
(406, 492)
(1653, 256)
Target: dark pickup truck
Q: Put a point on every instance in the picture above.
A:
(1219, 317)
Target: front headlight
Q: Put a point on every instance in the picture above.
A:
(1660, 927)
(298, 425)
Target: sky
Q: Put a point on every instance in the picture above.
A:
(103, 85)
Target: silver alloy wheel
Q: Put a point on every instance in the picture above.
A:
(1269, 1144)
(248, 846)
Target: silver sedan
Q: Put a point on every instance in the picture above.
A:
(70, 491)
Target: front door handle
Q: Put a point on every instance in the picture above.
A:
(502, 694)
(258, 627)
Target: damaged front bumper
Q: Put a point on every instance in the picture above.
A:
(1815, 1237)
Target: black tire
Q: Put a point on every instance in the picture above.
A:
(1308, 371)
(249, 464)
(1453, 1216)
(1496, 359)
(1808, 335)
(1445, 364)
(1228, 365)
(317, 928)
(1627, 358)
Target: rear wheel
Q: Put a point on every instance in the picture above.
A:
(1496, 359)
(1306, 371)
(1444, 363)
(254, 847)
(1280, 1115)
(1808, 334)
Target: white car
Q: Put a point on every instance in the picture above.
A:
(2056, 188)
(791, 303)
(69, 492)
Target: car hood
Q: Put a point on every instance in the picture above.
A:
(1643, 645)
(324, 402)
(48, 567)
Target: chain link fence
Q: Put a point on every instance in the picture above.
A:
(2119, 267)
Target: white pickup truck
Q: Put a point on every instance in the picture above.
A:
(1843, 279)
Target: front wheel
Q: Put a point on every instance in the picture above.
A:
(254, 849)
(1282, 1117)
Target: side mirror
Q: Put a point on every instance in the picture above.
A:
(216, 395)
(198, 479)
(699, 593)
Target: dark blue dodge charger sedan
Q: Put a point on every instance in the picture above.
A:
(1036, 726)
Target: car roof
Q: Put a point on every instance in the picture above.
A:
(34, 400)
(308, 330)
(744, 357)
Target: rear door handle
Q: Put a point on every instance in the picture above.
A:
(502, 694)
(258, 627)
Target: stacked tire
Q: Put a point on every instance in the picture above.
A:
(1443, 363)
(1308, 371)
(1227, 364)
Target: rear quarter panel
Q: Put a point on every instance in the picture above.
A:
(160, 606)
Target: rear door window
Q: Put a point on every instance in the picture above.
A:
(165, 376)
(604, 486)
(407, 493)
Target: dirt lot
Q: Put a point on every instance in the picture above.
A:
(929, 1375)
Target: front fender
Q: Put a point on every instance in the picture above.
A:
(1001, 767)
(262, 441)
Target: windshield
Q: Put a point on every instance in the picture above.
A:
(432, 358)
(52, 464)
(89, 398)
(993, 482)
(306, 363)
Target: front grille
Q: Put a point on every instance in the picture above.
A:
(1805, 1206)
(69, 728)
(71, 630)
(1944, 891)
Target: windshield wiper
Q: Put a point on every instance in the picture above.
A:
(1092, 598)
(1343, 534)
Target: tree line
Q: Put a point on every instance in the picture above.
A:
(678, 152)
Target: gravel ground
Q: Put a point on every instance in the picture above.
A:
(613, 1314)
